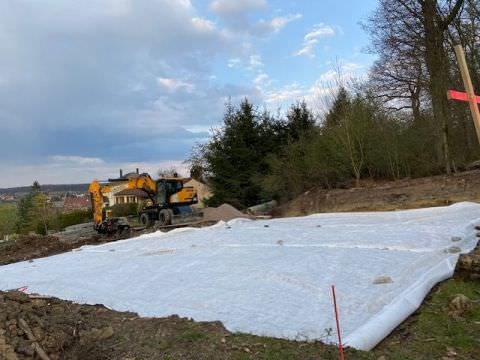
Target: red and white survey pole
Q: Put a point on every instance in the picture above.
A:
(337, 320)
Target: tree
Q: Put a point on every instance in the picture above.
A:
(399, 75)
(40, 213)
(411, 38)
(300, 120)
(234, 161)
(33, 211)
(167, 173)
(25, 211)
(436, 20)
(233, 157)
(340, 107)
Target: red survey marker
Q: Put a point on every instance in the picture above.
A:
(460, 96)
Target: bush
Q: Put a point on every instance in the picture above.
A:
(75, 217)
(124, 209)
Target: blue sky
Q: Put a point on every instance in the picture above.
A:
(88, 87)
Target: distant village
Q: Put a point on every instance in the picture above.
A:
(62, 201)
(79, 199)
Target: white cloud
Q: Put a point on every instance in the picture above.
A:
(311, 39)
(251, 62)
(254, 62)
(262, 80)
(330, 75)
(286, 95)
(234, 63)
(174, 84)
(275, 24)
(344, 72)
(351, 67)
(203, 25)
(235, 7)
(77, 160)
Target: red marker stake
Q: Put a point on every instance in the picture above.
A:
(340, 346)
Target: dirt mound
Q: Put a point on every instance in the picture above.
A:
(64, 330)
(384, 196)
(224, 212)
(29, 326)
(31, 246)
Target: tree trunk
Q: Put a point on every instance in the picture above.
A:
(436, 61)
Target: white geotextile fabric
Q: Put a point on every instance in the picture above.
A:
(270, 277)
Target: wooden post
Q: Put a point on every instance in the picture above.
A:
(467, 81)
(337, 320)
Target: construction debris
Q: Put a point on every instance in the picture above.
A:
(77, 233)
(262, 209)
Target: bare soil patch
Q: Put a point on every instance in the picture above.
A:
(31, 247)
(384, 196)
(65, 330)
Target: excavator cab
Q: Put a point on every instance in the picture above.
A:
(171, 198)
(166, 188)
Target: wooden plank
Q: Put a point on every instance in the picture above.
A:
(26, 329)
(467, 81)
(460, 96)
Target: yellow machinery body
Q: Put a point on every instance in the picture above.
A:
(166, 198)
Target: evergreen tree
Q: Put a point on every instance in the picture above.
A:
(233, 157)
(339, 110)
(300, 121)
(33, 211)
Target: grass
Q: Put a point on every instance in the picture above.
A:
(191, 335)
(431, 333)
(428, 334)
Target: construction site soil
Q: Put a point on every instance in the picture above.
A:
(37, 327)
(394, 195)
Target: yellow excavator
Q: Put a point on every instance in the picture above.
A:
(166, 198)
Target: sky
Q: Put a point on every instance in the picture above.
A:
(88, 87)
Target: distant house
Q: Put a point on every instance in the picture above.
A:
(203, 191)
(7, 197)
(76, 203)
(57, 204)
(117, 187)
(128, 196)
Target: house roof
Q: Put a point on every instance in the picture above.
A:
(76, 202)
(133, 192)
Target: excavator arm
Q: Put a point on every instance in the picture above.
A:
(95, 190)
(145, 183)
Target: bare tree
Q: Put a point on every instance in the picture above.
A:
(411, 38)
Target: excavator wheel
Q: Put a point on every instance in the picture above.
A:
(165, 217)
(145, 220)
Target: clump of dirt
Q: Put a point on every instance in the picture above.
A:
(458, 305)
(34, 246)
(224, 212)
(468, 265)
(29, 325)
